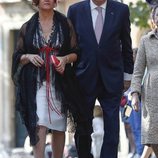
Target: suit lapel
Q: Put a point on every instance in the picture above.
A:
(88, 20)
(109, 16)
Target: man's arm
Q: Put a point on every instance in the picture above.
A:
(126, 42)
(127, 52)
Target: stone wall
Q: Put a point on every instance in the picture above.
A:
(13, 15)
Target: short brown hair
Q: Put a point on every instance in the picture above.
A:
(36, 2)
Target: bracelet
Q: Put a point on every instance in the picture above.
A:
(67, 59)
(24, 59)
(26, 56)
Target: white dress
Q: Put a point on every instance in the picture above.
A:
(56, 121)
(47, 116)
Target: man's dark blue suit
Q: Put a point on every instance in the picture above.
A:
(100, 68)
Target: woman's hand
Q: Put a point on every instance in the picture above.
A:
(35, 59)
(61, 66)
(135, 101)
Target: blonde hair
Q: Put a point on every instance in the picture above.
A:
(153, 26)
(97, 112)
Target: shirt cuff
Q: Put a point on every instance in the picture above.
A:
(127, 77)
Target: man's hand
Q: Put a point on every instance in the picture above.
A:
(126, 85)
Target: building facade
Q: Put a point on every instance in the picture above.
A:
(13, 14)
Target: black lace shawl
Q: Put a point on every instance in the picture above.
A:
(25, 77)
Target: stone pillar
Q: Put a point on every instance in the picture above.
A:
(7, 136)
(1, 95)
(12, 18)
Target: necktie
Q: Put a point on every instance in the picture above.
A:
(99, 24)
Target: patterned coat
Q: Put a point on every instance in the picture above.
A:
(147, 59)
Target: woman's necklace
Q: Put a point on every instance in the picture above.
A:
(46, 27)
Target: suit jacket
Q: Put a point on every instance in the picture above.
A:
(110, 58)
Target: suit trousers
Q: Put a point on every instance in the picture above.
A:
(83, 139)
(110, 103)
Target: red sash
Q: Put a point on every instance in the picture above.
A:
(51, 105)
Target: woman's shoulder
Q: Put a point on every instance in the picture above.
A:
(144, 38)
(148, 35)
(147, 39)
(33, 18)
(60, 15)
(61, 18)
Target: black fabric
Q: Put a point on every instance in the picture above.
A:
(25, 78)
(83, 139)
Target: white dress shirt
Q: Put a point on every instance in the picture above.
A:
(94, 14)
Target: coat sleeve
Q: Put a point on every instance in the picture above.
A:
(127, 52)
(139, 68)
(19, 51)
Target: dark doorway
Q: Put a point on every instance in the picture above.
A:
(20, 130)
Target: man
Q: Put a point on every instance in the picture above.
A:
(105, 60)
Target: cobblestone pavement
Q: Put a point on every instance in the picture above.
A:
(25, 155)
(15, 153)
(21, 156)
(18, 155)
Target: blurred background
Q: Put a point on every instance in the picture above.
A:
(13, 13)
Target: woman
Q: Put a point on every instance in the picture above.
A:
(45, 91)
(147, 57)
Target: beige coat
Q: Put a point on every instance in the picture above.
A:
(147, 57)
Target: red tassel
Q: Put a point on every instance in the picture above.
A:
(51, 106)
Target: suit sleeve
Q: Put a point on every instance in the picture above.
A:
(70, 15)
(126, 43)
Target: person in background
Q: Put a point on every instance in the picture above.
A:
(45, 81)
(147, 59)
(98, 131)
(126, 117)
(135, 123)
(104, 66)
(48, 153)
